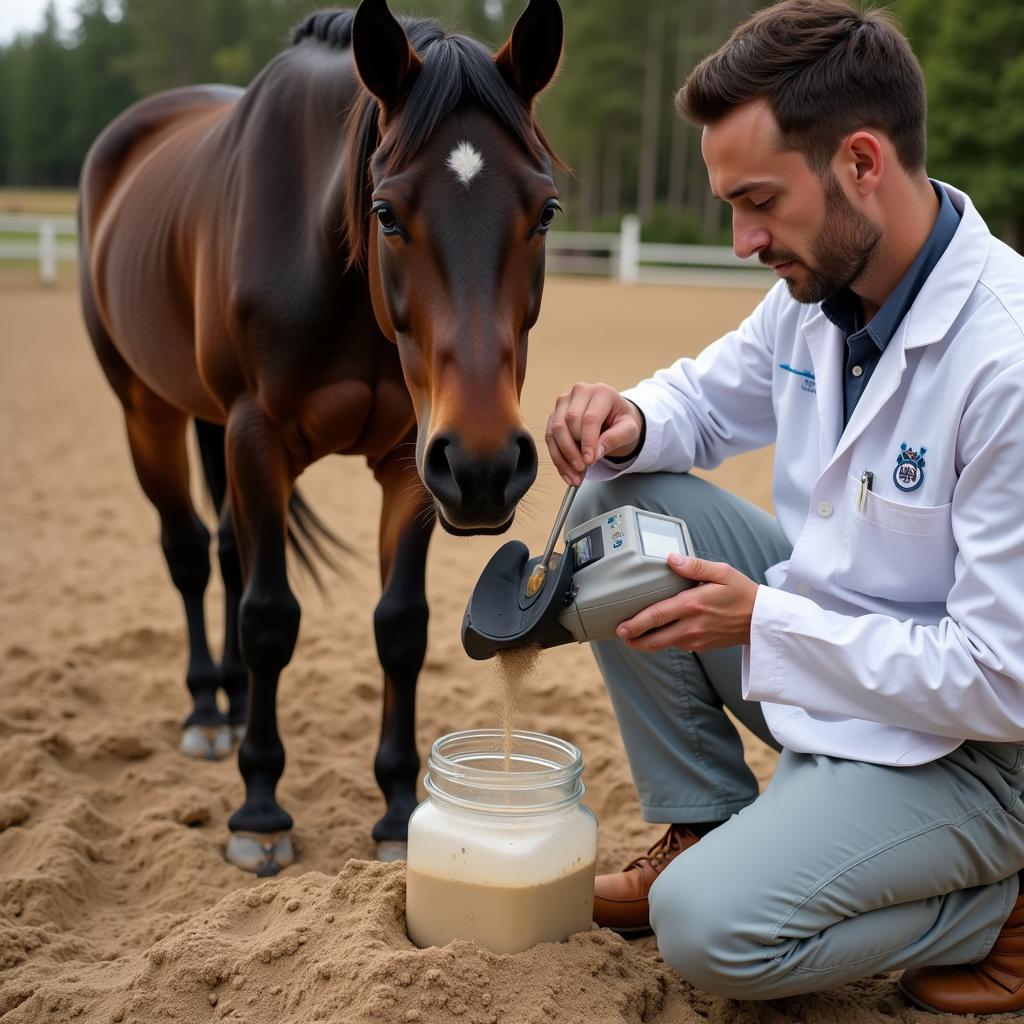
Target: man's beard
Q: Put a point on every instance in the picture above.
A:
(841, 252)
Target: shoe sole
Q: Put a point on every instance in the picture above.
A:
(1013, 1014)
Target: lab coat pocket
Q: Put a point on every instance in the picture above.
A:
(895, 551)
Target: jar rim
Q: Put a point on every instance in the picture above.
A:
(550, 763)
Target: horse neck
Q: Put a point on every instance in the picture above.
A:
(290, 130)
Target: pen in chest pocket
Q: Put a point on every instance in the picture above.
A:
(867, 482)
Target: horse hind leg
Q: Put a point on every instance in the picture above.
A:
(156, 437)
(234, 677)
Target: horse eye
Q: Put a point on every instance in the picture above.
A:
(547, 216)
(386, 219)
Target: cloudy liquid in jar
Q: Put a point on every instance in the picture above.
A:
(504, 918)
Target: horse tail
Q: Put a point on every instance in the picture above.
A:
(310, 539)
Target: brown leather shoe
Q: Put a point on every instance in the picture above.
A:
(620, 900)
(993, 985)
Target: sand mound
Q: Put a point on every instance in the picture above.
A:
(316, 948)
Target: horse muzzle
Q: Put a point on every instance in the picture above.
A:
(478, 493)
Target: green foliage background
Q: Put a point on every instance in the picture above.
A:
(609, 114)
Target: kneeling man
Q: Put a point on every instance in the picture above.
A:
(872, 632)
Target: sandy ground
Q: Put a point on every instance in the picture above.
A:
(116, 904)
(59, 202)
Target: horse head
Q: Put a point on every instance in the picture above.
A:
(454, 199)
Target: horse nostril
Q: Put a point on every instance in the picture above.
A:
(481, 487)
(525, 471)
(438, 472)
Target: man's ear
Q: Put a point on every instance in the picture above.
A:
(529, 58)
(866, 160)
(386, 63)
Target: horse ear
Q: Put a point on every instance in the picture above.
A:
(529, 58)
(386, 63)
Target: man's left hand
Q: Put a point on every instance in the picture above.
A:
(705, 618)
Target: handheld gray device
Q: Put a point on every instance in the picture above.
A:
(613, 566)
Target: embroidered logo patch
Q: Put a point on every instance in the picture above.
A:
(807, 384)
(909, 472)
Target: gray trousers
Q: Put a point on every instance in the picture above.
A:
(840, 869)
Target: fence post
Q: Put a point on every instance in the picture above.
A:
(629, 249)
(48, 251)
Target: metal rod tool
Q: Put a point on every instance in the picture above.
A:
(540, 570)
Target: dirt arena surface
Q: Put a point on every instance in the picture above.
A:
(116, 904)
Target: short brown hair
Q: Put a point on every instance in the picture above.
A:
(826, 69)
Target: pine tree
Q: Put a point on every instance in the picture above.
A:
(973, 60)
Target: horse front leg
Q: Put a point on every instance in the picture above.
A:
(400, 628)
(260, 482)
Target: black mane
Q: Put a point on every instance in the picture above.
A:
(331, 27)
(457, 71)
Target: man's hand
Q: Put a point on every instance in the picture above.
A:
(590, 422)
(705, 618)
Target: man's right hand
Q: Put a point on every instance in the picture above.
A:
(590, 421)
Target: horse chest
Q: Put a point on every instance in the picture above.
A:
(354, 417)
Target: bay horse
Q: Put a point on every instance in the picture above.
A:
(345, 257)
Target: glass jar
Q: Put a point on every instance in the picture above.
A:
(504, 857)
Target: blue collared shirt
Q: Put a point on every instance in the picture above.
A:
(865, 343)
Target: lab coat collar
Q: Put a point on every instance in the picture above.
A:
(938, 304)
(945, 293)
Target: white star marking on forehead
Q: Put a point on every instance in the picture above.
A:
(466, 162)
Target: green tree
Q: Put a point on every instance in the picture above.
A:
(625, 149)
(973, 59)
(490, 21)
(269, 28)
(8, 173)
(97, 65)
(169, 45)
(593, 111)
(40, 85)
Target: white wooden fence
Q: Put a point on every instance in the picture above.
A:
(41, 240)
(620, 255)
(624, 256)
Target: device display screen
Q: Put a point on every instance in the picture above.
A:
(659, 537)
(581, 552)
(587, 549)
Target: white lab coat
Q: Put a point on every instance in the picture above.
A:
(896, 630)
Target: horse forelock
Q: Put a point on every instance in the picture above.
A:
(456, 72)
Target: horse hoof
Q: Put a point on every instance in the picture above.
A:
(263, 853)
(389, 850)
(206, 742)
